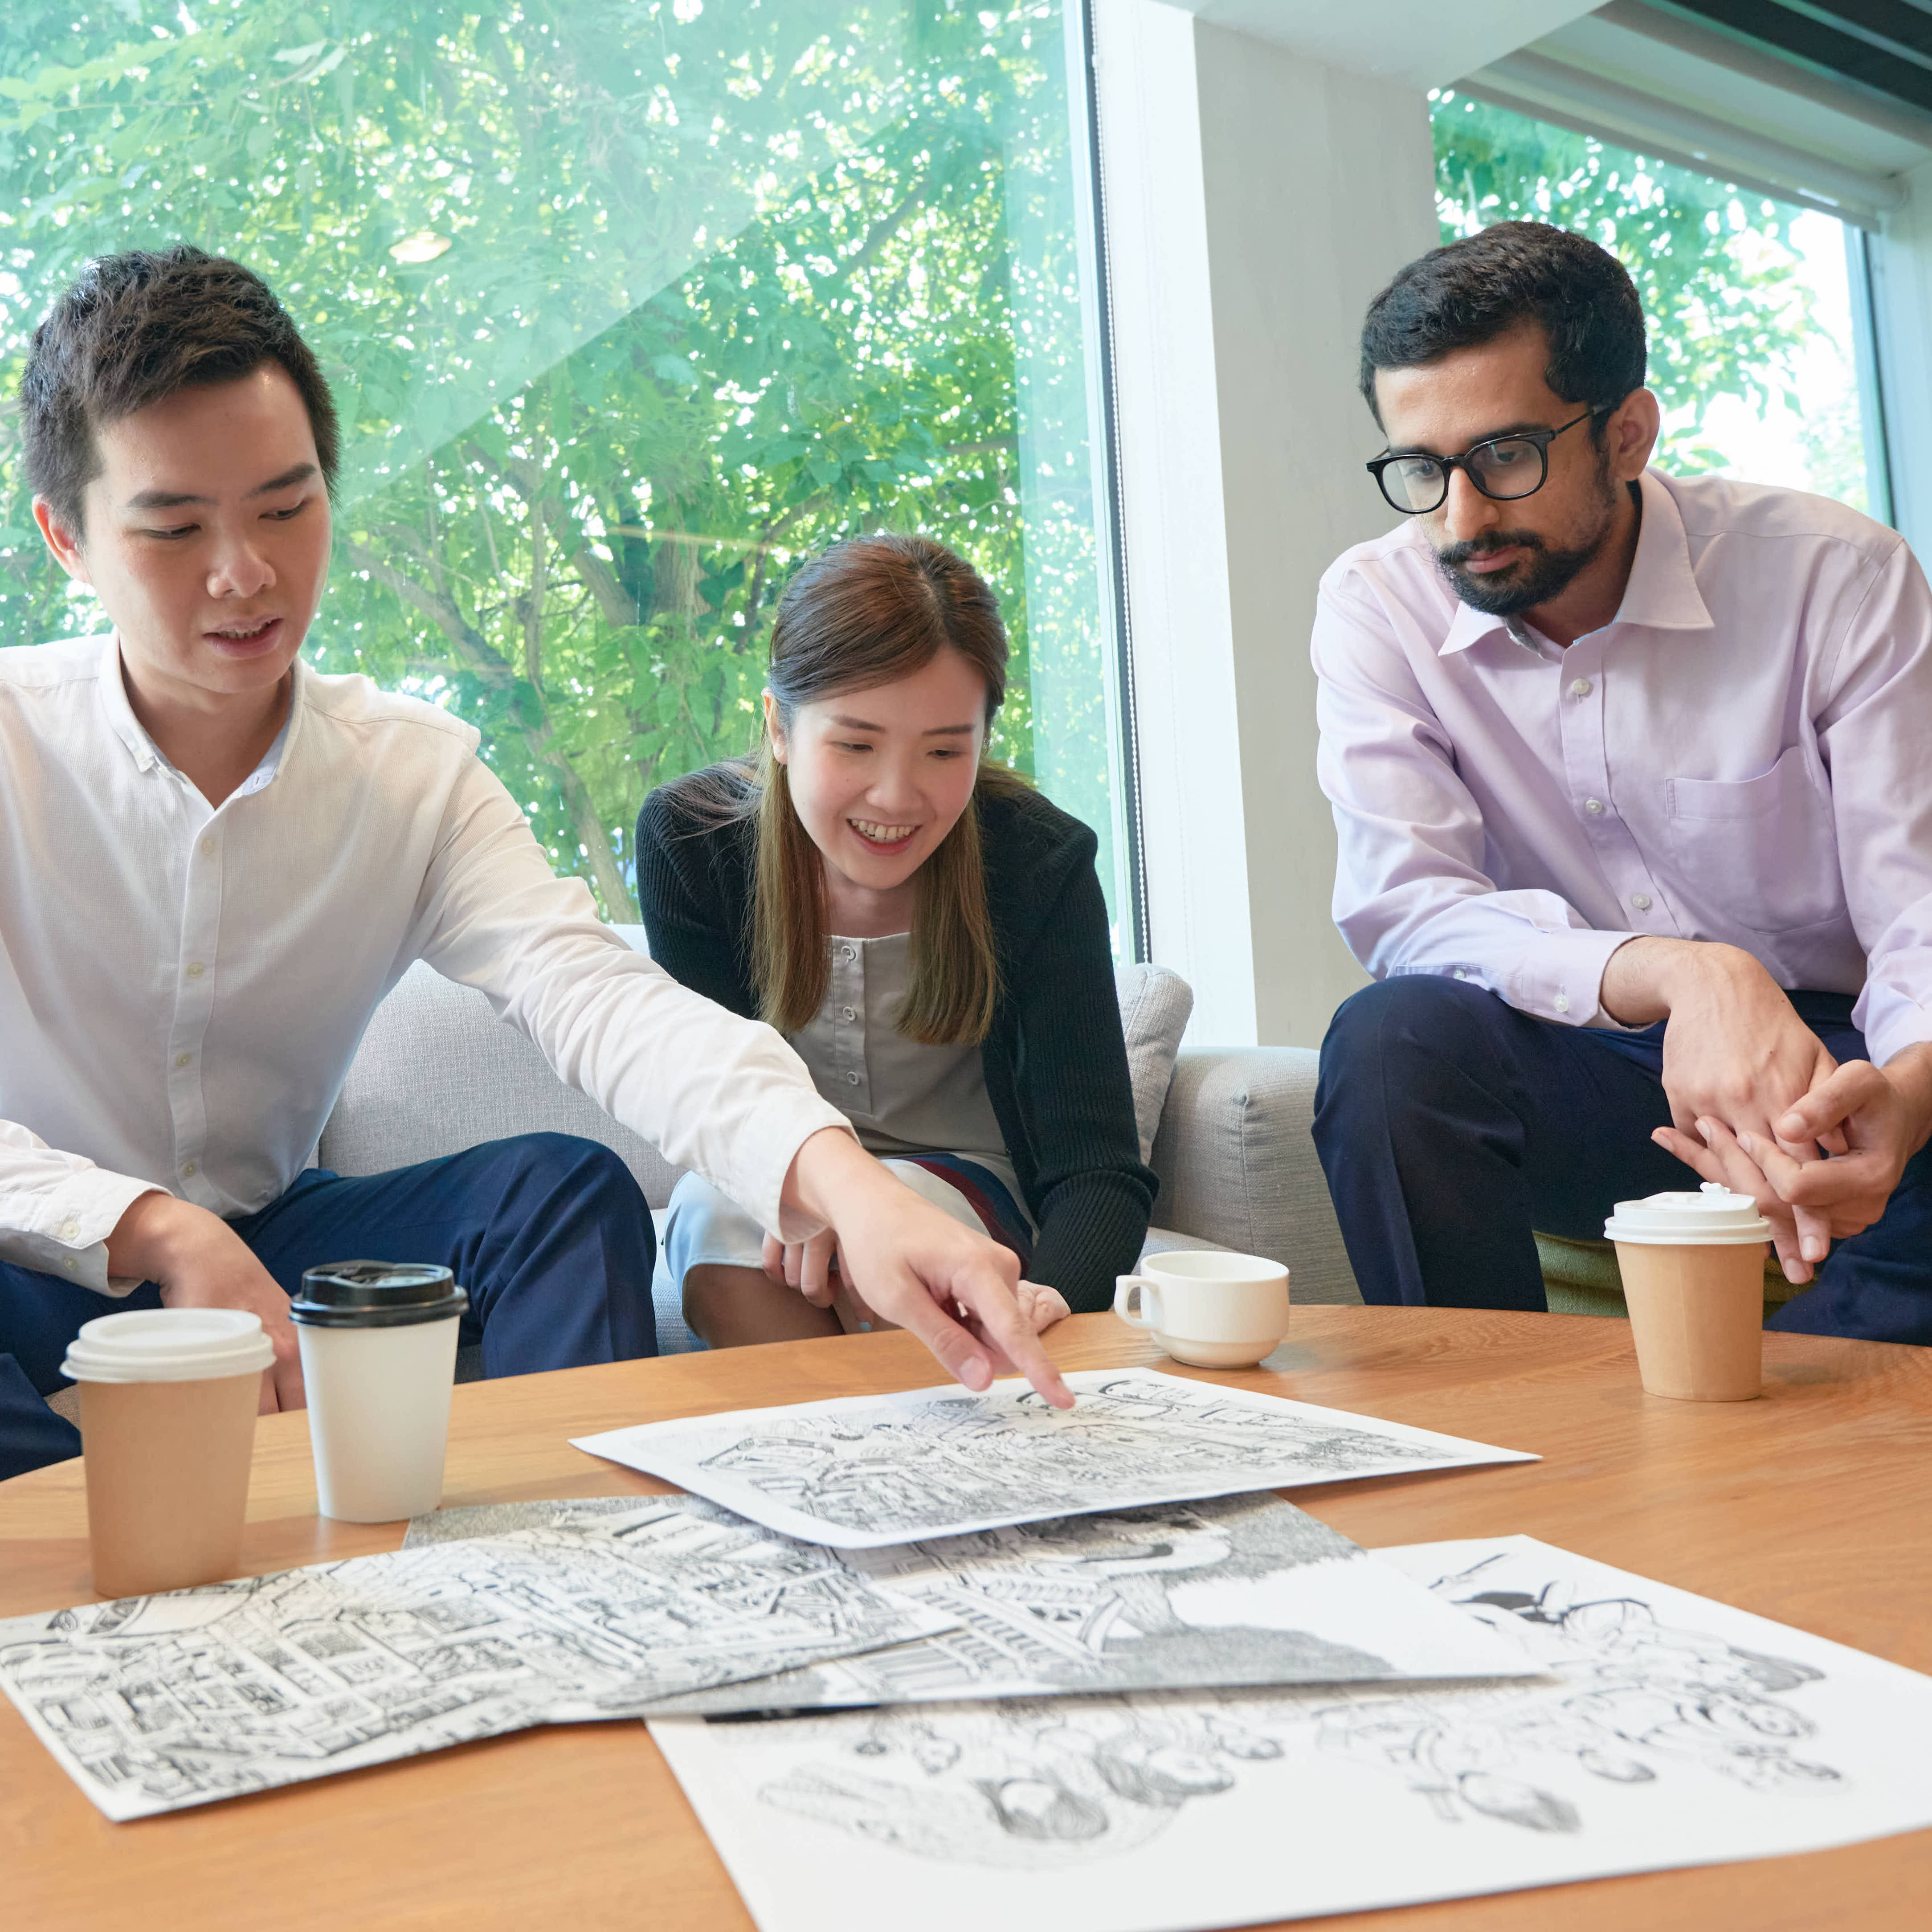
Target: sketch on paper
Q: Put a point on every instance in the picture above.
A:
(861, 1472)
(1236, 1590)
(155, 1703)
(1670, 1731)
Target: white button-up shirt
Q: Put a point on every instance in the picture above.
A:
(182, 989)
(1743, 754)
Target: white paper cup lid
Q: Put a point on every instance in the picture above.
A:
(1714, 1215)
(168, 1344)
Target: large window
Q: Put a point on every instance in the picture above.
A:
(628, 304)
(1754, 305)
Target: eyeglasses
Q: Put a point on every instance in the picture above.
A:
(1503, 467)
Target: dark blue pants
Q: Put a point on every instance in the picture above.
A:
(550, 1234)
(1450, 1125)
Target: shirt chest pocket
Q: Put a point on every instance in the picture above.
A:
(1761, 851)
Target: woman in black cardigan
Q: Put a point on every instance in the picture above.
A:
(927, 931)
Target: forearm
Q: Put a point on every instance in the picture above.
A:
(1645, 979)
(829, 1165)
(155, 1238)
(1909, 1070)
(1093, 1230)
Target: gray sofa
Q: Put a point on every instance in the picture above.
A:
(437, 1071)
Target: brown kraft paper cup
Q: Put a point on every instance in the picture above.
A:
(167, 1480)
(1696, 1314)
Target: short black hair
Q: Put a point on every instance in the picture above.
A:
(1485, 284)
(133, 330)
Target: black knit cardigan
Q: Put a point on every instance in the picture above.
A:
(1056, 1064)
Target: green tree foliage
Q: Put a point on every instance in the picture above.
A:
(1720, 283)
(627, 304)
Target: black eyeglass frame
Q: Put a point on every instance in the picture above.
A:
(1541, 438)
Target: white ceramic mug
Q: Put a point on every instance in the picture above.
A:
(1213, 1310)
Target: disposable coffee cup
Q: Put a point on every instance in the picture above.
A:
(1209, 1309)
(379, 1358)
(168, 1398)
(1693, 1269)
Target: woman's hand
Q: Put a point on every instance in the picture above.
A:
(808, 1266)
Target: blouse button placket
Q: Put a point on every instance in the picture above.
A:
(847, 1000)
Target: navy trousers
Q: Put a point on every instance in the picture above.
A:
(1451, 1125)
(550, 1234)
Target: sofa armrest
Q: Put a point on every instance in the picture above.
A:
(1237, 1165)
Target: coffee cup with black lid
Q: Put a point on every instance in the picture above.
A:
(168, 1398)
(379, 1358)
(1693, 1270)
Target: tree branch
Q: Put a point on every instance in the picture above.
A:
(475, 650)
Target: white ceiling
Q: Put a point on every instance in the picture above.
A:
(1637, 75)
(1606, 46)
(1422, 42)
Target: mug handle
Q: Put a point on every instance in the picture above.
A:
(1130, 1289)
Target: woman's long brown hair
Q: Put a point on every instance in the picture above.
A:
(867, 612)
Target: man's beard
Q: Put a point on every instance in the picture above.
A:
(1542, 574)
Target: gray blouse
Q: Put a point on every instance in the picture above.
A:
(902, 1096)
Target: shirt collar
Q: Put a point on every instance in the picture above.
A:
(147, 754)
(1661, 593)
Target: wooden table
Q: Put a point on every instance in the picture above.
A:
(1810, 1506)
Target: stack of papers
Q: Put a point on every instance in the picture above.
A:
(1670, 1730)
(954, 1659)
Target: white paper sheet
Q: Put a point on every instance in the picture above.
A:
(859, 1472)
(1682, 1732)
(155, 1703)
(1235, 1590)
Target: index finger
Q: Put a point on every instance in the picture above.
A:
(1832, 1100)
(1818, 1183)
(999, 1316)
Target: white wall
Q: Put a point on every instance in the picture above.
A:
(1901, 257)
(1256, 200)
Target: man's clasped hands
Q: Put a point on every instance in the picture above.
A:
(1760, 1105)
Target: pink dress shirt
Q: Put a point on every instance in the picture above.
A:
(1743, 754)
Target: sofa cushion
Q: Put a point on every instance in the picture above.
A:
(437, 1071)
(1237, 1164)
(1155, 1004)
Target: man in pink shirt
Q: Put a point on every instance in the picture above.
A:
(1631, 778)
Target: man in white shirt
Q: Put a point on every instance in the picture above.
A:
(214, 862)
(1635, 815)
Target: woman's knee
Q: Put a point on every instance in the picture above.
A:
(728, 1306)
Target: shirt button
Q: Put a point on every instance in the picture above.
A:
(1581, 688)
(1642, 902)
(849, 953)
(1561, 1003)
(195, 969)
(182, 1059)
(1460, 974)
(852, 1079)
(70, 1265)
(68, 1229)
(1594, 807)
(207, 848)
(188, 1171)
(847, 1013)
